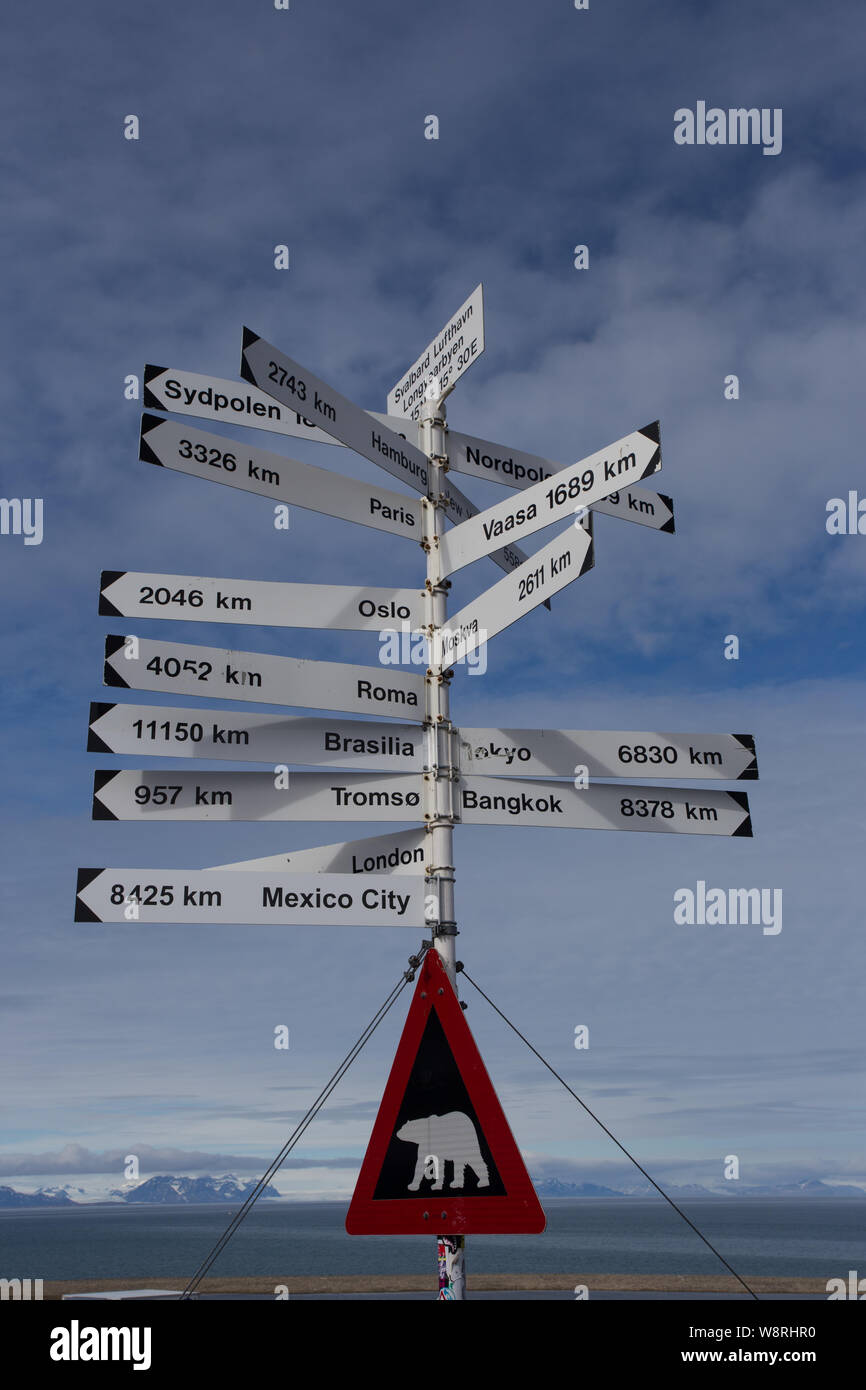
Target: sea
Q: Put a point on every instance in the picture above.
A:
(819, 1238)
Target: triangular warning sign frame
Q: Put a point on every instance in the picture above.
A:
(517, 1210)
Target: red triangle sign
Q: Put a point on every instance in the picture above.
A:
(441, 1158)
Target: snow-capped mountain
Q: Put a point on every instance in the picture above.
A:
(167, 1190)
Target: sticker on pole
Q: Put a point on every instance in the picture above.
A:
(441, 1157)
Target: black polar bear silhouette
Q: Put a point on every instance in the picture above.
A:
(442, 1139)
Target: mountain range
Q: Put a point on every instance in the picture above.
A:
(158, 1191)
(167, 1190)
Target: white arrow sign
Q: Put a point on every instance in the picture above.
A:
(214, 398)
(443, 362)
(566, 752)
(171, 444)
(260, 603)
(460, 508)
(332, 796)
(401, 853)
(178, 732)
(147, 896)
(514, 468)
(136, 663)
(188, 450)
(627, 461)
(519, 801)
(641, 505)
(565, 559)
(287, 381)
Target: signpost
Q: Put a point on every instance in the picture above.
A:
(237, 403)
(443, 361)
(256, 602)
(302, 796)
(287, 381)
(591, 479)
(215, 896)
(441, 1156)
(401, 853)
(522, 801)
(560, 752)
(184, 732)
(233, 402)
(479, 458)
(222, 460)
(565, 559)
(136, 663)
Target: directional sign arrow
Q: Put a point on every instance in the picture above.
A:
(136, 663)
(214, 398)
(565, 559)
(561, 752)
(178, 732)
(519, 801)
(444, 360)
(642, 505)
(578, 485)
(480, 458)
(171, 444)
(147, 896)
(260, 603)
(187, 450)
(332, 796)
(400, 853)
(459, 507)
(287, 381)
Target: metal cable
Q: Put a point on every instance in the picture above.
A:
(629, 1156)
(314, 1109)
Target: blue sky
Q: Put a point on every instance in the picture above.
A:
(306, 127)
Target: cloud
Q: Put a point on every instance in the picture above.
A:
(703, 263)
(76, 1160)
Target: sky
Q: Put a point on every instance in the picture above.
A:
(306, 128)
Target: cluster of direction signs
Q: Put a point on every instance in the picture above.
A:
(373, 771)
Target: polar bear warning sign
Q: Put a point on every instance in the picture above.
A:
(441, 1156)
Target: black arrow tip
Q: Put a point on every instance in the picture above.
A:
(106, 607)
(249, 338)
(100, 810)
(82, 912)
(149, 399)
(743, 801)
(94, 743)
(145, 452)
(113, 644)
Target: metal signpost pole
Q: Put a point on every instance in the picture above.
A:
(441, 773)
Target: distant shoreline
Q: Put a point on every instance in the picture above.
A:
(413, 1283)
(732, 1197)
